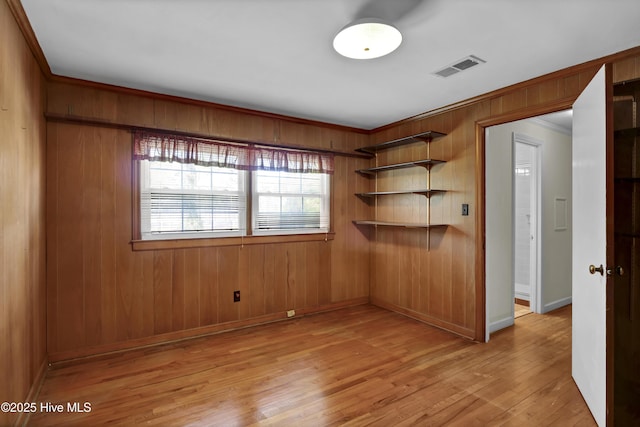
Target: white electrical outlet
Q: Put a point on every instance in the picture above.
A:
(291, 313)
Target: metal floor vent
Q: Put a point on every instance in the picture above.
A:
(461, 65)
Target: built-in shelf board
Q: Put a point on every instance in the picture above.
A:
(627, 133)
(427, 163)
(421, 137)
(398, 224)
(625, 234)
(424, 192)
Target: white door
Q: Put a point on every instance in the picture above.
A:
(589, 246)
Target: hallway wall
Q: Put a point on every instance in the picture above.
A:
(555, 245)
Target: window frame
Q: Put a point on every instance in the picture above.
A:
(326, 203)
(138, 244)
(144, 169)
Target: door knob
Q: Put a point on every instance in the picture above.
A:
(610, 270)
(593, 269)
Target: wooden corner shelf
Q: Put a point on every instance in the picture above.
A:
(421, 137)
(398, 224)
(426, 163)
(424, 192)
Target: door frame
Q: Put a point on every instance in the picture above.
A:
(535, 288)
(482, 328)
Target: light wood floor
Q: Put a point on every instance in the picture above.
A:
(521, 310)
(356, 366)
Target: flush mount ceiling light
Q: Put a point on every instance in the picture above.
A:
(366, 39)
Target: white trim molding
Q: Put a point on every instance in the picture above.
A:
(554, 305)
(501, 324)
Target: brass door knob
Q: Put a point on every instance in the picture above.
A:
(593, 269)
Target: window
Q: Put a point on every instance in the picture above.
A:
(190, 201)
(285, 202)
(191, 188)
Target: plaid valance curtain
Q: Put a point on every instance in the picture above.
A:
(204, 152)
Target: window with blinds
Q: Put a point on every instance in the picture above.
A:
(287, 203)
(180, 201)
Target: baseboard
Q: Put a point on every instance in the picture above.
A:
(501, 324)
(425, 318)
(556, 304)
(73, 356)
(522, 291)
(34, 391)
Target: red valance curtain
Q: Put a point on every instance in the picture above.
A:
(204, 152)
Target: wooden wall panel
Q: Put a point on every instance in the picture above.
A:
(104, 296)
(626, 69)
(415, 269)
(252, 267)
(178, 291)
(192, 288)
(208, 286)
(22, 219)
(349, 281)
(123, 108)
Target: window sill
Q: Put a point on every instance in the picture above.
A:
(152, 245)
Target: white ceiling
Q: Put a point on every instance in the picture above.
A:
(561, 121)
(277, 55)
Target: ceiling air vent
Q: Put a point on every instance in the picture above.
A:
(461, 65)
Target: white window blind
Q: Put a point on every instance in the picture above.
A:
(287, 203)
(190, 201)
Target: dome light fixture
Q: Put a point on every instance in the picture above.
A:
(367, 38)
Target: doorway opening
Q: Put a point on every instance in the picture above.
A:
(525, 216)
(527, 222)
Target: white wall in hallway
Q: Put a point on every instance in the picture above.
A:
(555, 244)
